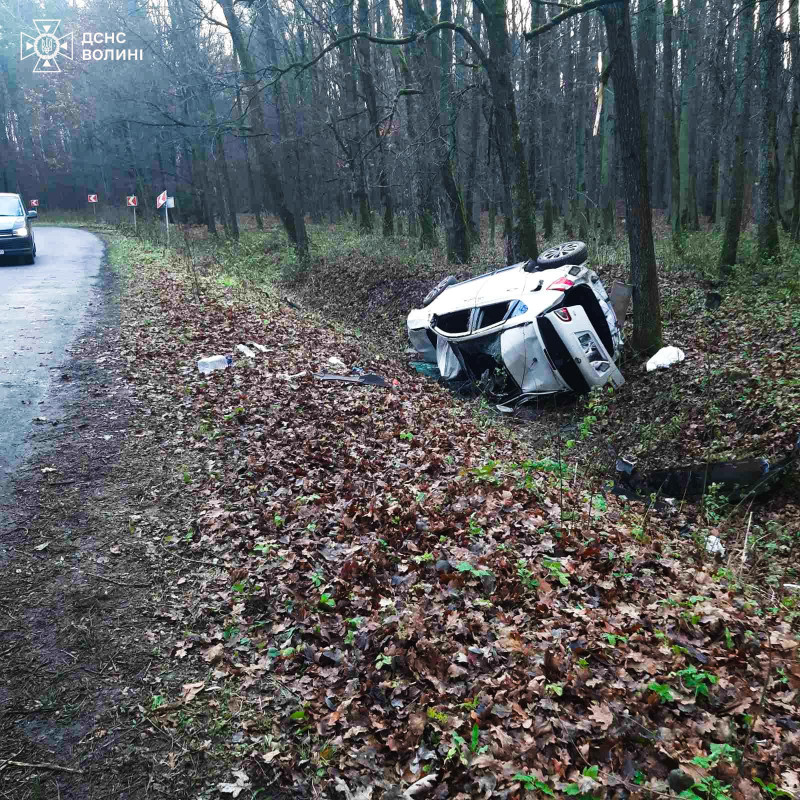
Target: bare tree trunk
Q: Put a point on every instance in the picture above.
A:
(794, 129)
(646, 305)
(733, 220)
(429, 64)
(255, 104)
(255, 201)
(518, 209)
(288, 134)
(370, 95)
(474, 218)
(766, 188)
(669, 121)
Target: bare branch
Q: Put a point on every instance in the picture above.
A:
(300, 66)
(570, 12)
(550, 3)
(484, 10)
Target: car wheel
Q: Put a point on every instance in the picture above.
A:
(564, 253)
(438, 289)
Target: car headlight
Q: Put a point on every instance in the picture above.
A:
(23, 231)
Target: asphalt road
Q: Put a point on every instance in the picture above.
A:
(41, 310)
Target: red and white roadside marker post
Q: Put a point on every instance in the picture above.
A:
(161, 200)
(93, 201)
(34, 203)
(133, 202)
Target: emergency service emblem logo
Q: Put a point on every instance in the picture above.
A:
(46, 45)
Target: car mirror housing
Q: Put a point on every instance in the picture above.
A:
(33, 214)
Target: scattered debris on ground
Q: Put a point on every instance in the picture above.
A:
(383, 593)
(665, 358)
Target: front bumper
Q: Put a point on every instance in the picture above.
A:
(16, 245)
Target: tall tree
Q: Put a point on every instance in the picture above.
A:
(371, 97)
(733, 220)
(669, 121)
(770, 47)
(646, 73)
(639, 223)
(518, 207)
(794, 127)
(292, 219)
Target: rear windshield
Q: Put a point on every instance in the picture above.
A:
(11, 207)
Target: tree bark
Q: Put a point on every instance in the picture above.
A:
(794, 129)
(520, 220)
(473, 214)
(669, 121)
(428, 63)
(269, 171)
(733, 220)
(255, 201)
(646, 73)
(766, 191)
(370, 95)
(290, 174)
(644, 277)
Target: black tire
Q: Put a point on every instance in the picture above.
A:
(564, 253)
(438, 289)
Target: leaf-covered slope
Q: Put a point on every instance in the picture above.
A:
(400, 593)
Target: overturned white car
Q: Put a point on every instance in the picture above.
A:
(537, 327)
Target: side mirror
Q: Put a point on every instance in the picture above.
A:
(33, 214)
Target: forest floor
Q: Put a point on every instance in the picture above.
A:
(360, 592)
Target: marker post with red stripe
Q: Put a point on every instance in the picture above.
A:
(161, 200)
(133, 202)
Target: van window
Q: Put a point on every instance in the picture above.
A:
(11, 207)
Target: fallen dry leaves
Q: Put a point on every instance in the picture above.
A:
(399, 601)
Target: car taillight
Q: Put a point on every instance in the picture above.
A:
(563, 314)
(560, 285)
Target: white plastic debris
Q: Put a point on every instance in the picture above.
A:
(245, 350)
(336, 362)
(259, 347)
(211, 363)
(665, 357)
(714, 546)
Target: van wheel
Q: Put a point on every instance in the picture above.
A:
(564, 253)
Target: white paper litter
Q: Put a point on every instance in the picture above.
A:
(665, 357)
(245, 350)
(336, 362)
(714, 545)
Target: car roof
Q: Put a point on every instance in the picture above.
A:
(10, 194)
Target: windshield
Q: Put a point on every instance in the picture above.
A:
(11, 207)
